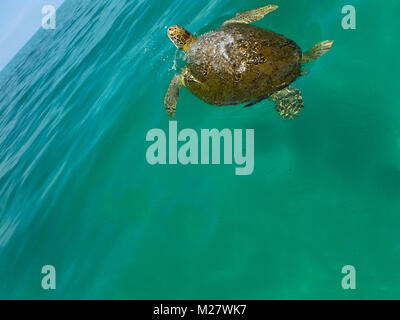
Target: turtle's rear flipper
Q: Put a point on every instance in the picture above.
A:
(252, 15)
(317, 51)
(171, 98)
(289, 102)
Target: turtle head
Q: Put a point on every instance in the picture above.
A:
(181, 38)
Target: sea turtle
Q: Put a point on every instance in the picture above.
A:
(241, 63)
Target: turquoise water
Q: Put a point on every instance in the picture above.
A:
(76, 191)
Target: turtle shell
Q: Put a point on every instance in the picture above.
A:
(239, 63)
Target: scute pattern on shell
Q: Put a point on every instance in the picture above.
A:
(238, 63)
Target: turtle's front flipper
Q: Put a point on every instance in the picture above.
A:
(289, 102)
(171, 98)
(317, 51)
(252, 15)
